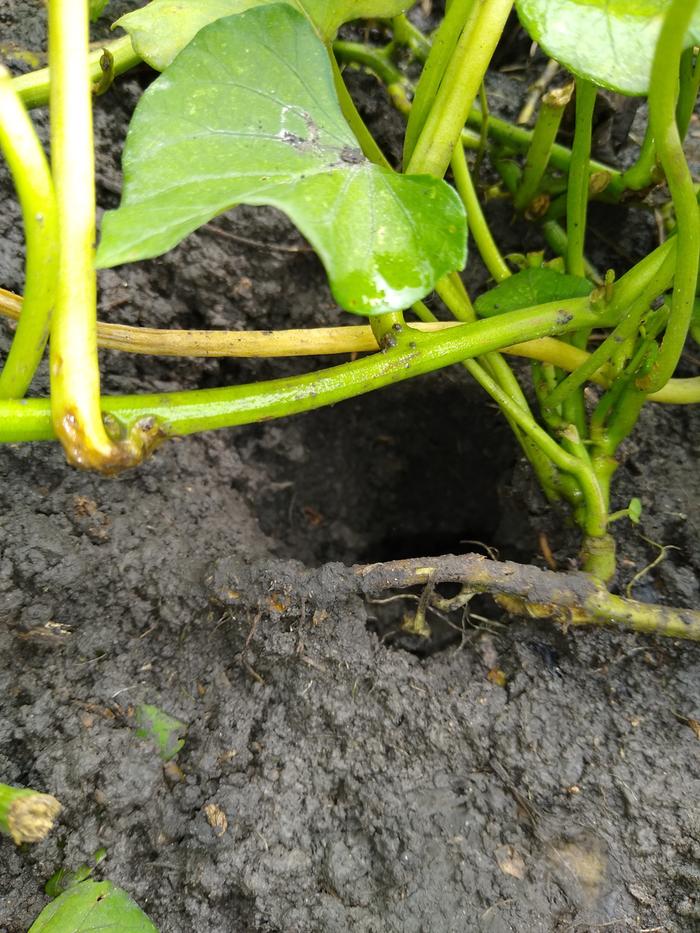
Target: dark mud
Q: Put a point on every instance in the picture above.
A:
(356, 786)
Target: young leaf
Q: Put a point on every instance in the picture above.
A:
(635, 510)
(154, 723)
(530, 287)
(163, 28)
(247, 114)
(610, 42)
(65, 878)
(91, 906)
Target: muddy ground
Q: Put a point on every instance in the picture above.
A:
(360, 781)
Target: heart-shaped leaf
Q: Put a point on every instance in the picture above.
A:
(610, 42)
(163, 28)
(529, 288)
(247, 113)
(91, 906)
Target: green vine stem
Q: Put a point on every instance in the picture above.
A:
(459, 88)
(323, 341)
(25, 814)
(491, 369)
(367, 142)
(187, 412)
(495, 375)
(688, 90)
(181, 413)
(408, 35)
(642, 173)
(33, 88)
(519, 416)
(519, 139)
(30, 171)
(549, 118)
(577, 191)
(377, 60)
(75, 378)
(515, 138)
(478, 227)
(598, 553)
(442, 49)
(662, 114)
(554, 235)
(626, 329)
(616, 412)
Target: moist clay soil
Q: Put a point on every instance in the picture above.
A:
(334, 776)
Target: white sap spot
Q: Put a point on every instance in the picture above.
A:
(283, 115)
(394, 299)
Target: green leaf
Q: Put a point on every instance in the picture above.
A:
(91, 906)
(634, 510)
(64, 878)
(163, 28)
(164, 729)
(610, 42)
(96, 8)
(330, 16)
(531, 287)
(247, 114)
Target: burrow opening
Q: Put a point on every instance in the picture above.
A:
(408, 471)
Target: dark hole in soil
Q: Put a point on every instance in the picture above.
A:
(412, 470)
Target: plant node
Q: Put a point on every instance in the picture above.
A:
(126, 448)
(598, 556)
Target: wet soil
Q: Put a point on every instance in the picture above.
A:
(333, 777)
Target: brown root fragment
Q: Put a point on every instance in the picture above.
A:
(567, 598)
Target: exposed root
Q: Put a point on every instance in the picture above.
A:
(568, 598)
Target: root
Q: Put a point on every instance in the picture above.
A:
(522, 590)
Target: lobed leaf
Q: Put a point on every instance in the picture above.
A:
(91, 906)
(529, 288)
(161, 29)
(247, 114)
(610, 42)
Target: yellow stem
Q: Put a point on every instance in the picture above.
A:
(323, 341)
(75, 377)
